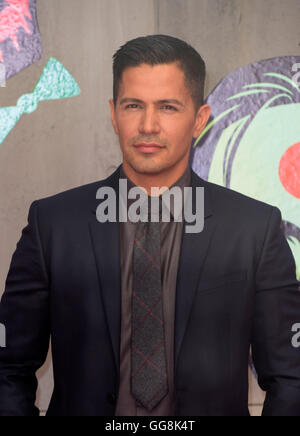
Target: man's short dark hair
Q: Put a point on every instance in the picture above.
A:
(157, 50)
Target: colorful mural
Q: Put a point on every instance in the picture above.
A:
(252, 142)
(20, 41)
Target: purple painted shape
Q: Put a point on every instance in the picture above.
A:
(20, 40)
(201, 156)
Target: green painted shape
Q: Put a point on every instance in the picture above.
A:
(268, 85)
(246, 93)
(9, 116)
(295, 247)
(215, 121)
(55, 83)
(255, 170)
(228, 136)
(284, 78)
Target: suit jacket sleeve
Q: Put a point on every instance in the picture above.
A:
(277, 309)
(24, 312)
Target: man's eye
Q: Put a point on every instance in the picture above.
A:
(167, 107)
(132, 106)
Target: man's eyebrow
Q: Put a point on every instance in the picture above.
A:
(130, 100)
(170, 101)
(165, 101)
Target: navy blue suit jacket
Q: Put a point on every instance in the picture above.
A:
(236, 287)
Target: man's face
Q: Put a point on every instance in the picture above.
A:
(155, 120)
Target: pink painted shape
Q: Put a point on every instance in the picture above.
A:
(289, 170)
(12, 17)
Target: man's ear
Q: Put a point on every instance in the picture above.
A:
(113, 116)
(202, 118)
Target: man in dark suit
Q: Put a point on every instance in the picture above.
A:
(134, 332)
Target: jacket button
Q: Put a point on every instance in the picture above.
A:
(111, 398)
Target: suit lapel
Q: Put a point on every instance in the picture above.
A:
(106, 244)
(194, 249)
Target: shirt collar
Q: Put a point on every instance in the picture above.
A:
(182, 182)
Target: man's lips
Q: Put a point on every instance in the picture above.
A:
(148, 147)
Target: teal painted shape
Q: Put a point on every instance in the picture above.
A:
(55, 83)
(9, 116)
(256, 163)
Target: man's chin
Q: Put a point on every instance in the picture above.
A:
(148, 167)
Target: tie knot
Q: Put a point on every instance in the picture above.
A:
(28, 103)
(154, 209)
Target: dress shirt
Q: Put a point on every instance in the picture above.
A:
(171, 239)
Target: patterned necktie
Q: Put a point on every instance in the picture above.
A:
(149, 381)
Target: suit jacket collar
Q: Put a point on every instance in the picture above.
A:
(194, 250)
(183, 181)
(113, 182)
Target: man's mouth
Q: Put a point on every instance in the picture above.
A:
(148, 147)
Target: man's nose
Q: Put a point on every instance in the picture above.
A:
(149, 122)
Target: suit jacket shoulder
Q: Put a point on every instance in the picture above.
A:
(76, 205)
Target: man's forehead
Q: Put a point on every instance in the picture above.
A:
(160, 78)
(159, 70)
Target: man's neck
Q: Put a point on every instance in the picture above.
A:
(159, 180)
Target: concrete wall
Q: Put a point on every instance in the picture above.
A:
(233, 33)
(68, 143)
